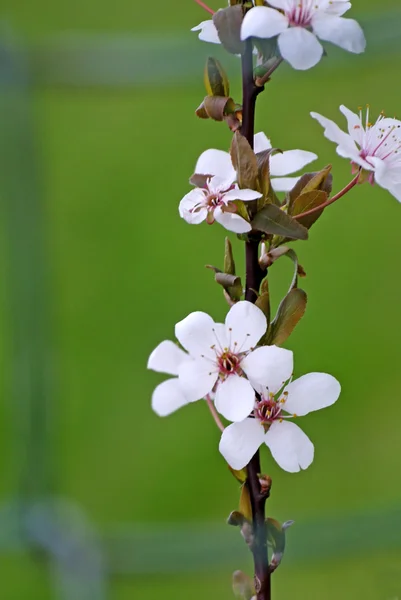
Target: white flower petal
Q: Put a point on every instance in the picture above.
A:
(244, 195)
(216, 162)
(395, 190)
(235, 398)
(280, 4)
(336, 7)
(219, 184)
(166, 358)
(345, 33)
(245, 325)
(290, 161)
(196, 334)
(355, 127)
(385, 175)
(168, 397)
(197, 378)
(208, 32)
(192, 207)
(269, 366)
(261, 142)
(311, 392)
(240, 441)
(231, 221)
(263, 22)
(283, 184)
(333, 133)
(300, 48)
(290, 446)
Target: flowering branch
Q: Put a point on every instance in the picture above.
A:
(254, 277)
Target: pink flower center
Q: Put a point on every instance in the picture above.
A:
(300, 13)
(229, 363)
(269, 410)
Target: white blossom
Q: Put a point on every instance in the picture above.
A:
(218, 162)
(223, 355)
(290, 446)
(215, 202)
(298, 24)
(374, 147)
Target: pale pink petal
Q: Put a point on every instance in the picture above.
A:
(300, 48)
(290, 161)
(345, 33)
(192, 207)
(168, 397)
(283, 184)
(355, 127)
(231, 221)
(261, 142)
(311, 392)
(244, 195)
(196, 333)
(332, 132)
(269, 366)
(208, 32)
(263, 22)
(216, 162)
(197, 378)
(336, 7)
(240, 441)
(245, 324)
(280, 4)
(235, 398)
(387, 178)
(219, 184)
(166, 358)
(290, 446)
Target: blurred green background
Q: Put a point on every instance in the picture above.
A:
(115, 161)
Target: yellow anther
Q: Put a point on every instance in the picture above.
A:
(280, 420)
(295, 416)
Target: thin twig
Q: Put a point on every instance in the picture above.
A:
(214, 414)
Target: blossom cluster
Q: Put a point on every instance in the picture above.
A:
(297, 25)
(251, 385)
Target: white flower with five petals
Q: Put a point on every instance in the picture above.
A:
(223, 355)
(215, 202)
(218, 162)
(374, 147)
(290, 446)
(298, 24)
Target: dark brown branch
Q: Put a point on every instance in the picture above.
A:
(254, 276)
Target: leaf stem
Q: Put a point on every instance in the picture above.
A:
(214, 413)
(260, 81)
(254, 277)
(339, 195)
(205, 6)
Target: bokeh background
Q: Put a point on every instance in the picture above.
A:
(100, 498)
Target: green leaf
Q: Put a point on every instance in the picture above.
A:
(240, 476)
(321, 180)
(291, 310)
(244, 162)
(263, 300)
(245, 503)
(306, 201)
(218, 107)
(269, 195)
(229, 264)
(215, 78)
(228, 23)
(271, 219)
